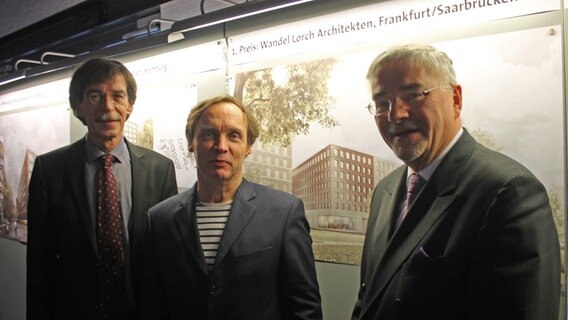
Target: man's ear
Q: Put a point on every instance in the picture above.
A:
(457, 96)
(76, 111)
(190, 148)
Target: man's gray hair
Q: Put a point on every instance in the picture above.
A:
(420, 55)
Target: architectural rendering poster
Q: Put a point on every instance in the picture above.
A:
(23, 136)
(158, 123)
(36, 120)
(167, 90)
(319, 142)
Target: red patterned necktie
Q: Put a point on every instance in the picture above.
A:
(110, 242)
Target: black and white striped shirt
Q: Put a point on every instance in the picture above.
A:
(211, 221)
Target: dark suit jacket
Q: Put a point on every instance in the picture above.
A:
(264, 268)
(478, 243)
(62, 276)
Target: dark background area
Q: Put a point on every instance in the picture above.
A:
(84, 27)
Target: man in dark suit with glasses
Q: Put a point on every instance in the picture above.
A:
(459, 231)
(87, 221)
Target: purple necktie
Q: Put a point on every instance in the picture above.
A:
(413, 185)
(110, 242)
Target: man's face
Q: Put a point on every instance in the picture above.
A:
(417, 131)
(105, 108)
(220, 145)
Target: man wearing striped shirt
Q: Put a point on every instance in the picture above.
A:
(228, 248)
(211, 221)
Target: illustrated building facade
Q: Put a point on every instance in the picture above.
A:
(131, 132)
(22, 196)
(382, 168)
(335, 184)
(270, 165)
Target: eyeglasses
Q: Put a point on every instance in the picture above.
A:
(95, 97)
(381, 106)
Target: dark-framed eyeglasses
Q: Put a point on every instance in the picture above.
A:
(381, 106)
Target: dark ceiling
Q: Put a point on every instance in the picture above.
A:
(85, 27)
(93, 25)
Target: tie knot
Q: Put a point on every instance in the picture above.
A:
(107, 159)
(414, 183)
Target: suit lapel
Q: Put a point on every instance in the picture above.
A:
(140, 186)
(75, 175)
(241, 213)
(186, 224)
(435, 198)
(389, 207)
(389, 203)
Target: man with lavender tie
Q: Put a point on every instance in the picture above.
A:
(477, 240)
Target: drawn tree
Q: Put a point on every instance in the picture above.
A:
(146, 136)
(253, 172)
(287, 108)
(486, 139)
(558, 215)
(557, 212)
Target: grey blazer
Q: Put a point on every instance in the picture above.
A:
(264, 268)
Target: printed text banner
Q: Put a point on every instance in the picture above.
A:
(387, 22)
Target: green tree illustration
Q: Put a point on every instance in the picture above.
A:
(146, 135)
(486, 139)
(287, 109)
(253, 172)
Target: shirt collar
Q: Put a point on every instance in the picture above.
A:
(120, 151)
(427, 172)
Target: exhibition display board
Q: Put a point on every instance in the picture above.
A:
(302, 73)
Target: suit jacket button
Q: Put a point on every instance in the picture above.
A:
(398, 301)
(212, 290)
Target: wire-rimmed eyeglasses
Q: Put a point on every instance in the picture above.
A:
(381, 106)
(95, 97)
